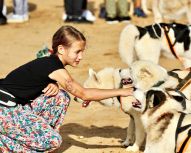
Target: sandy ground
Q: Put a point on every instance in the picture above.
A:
(96, 129)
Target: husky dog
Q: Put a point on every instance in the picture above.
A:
(166, 124)
(147, 43)
(171, 10)
(144, 75)
(168, 9)
(109, 78)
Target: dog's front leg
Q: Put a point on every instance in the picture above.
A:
(188, 13)
(144, 7)
(139, 135)
(155, 9)
(130, 133)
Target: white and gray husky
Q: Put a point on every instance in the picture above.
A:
(165, 119)
(146, 75)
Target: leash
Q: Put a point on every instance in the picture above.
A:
(185, 82)
(175, 75)
(171, 46)
(183, 102)
(179, 130)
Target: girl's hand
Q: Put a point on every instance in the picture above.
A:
(51, 90)
(128, 91)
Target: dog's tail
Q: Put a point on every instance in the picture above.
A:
(127, 43)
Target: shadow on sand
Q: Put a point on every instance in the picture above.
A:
(88, 132)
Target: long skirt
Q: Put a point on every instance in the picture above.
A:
(33, 128)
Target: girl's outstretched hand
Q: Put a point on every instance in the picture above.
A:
(128, 91)
(51, 89)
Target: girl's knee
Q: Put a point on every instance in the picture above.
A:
(48, 142)
(55, 140)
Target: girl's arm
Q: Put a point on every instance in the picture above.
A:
(70, 85)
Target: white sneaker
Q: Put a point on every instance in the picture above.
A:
(25, 17)
(64, 16)
(15, 18)
(88, 15)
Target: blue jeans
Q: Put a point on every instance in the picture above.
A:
(20, 7)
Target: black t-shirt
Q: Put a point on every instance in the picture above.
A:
(27, 81)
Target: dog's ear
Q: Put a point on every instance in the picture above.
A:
(93, 75)
(178, 98)
(155, 97)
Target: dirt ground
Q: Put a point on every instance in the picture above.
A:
(96, 129)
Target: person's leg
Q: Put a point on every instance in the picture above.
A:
(68, 6)
(1, 6)
(111, 11)
(20, 13)
(137, 3)
(138, 10)
(123, 10)
(20, 7)
(111, 8)
(84, 5)
(3, 19)
(23, 131)
(78, 7)
(52, 109)
(74, 11)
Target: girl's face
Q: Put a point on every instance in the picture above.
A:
(73, 55)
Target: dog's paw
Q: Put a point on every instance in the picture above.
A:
(125, 143)
(133, 148)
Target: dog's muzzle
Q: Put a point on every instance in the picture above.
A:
(126, 81)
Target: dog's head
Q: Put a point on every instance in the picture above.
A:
(145, 74)
(156, 97)
(107, 78)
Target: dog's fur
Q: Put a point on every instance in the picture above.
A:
(171, 10)
(109, 78)
(160, 116)
(145, 75)
(147, 43)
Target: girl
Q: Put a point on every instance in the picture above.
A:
(33, 124)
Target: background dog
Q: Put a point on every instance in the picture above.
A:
(147, 43)
(171, 10)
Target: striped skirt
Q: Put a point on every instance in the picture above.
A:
(33, 128)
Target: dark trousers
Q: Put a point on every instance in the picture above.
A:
(75, 7)
(1, 8)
